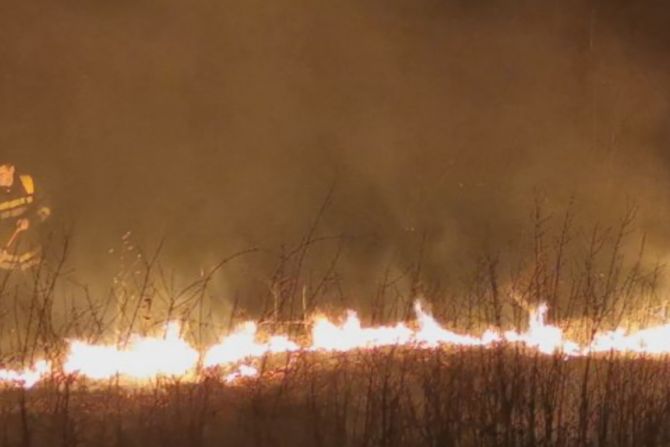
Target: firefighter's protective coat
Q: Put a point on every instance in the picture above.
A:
(20, 250)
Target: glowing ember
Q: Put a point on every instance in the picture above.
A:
(150, 357)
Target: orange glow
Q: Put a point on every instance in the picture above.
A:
(27, 377)
(146, 358)
(243, 372)
(242, 344)
(350, 335)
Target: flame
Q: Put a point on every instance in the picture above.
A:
(242, 344)
(545, 338)
(350, 335)
(146, 358)
(654, 340)
(244, 371)
(26, 378)
(432, 334)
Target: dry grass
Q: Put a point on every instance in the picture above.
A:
(505, 396)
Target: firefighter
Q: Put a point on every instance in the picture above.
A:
(22, 211)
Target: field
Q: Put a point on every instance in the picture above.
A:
(439, 379)
(389, 397)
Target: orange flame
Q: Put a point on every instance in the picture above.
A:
(243, 372)
(242, 345)
(28, 377)
(350, 335)
(171, 355)
(144, 358)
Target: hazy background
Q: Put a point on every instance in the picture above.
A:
(221, 125)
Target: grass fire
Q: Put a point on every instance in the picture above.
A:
(558, 353)
(169, 355)
(389, 223)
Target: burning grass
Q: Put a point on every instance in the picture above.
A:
(386, 396)
(493, 366)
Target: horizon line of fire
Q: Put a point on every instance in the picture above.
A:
(146, 358)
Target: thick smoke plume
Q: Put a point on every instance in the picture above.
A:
(222, 125)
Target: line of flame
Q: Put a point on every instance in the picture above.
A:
(171, 355)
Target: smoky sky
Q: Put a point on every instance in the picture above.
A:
(222, 125)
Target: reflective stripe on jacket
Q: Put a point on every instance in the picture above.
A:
(18, 200)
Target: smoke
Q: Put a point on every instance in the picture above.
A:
(222, 125)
